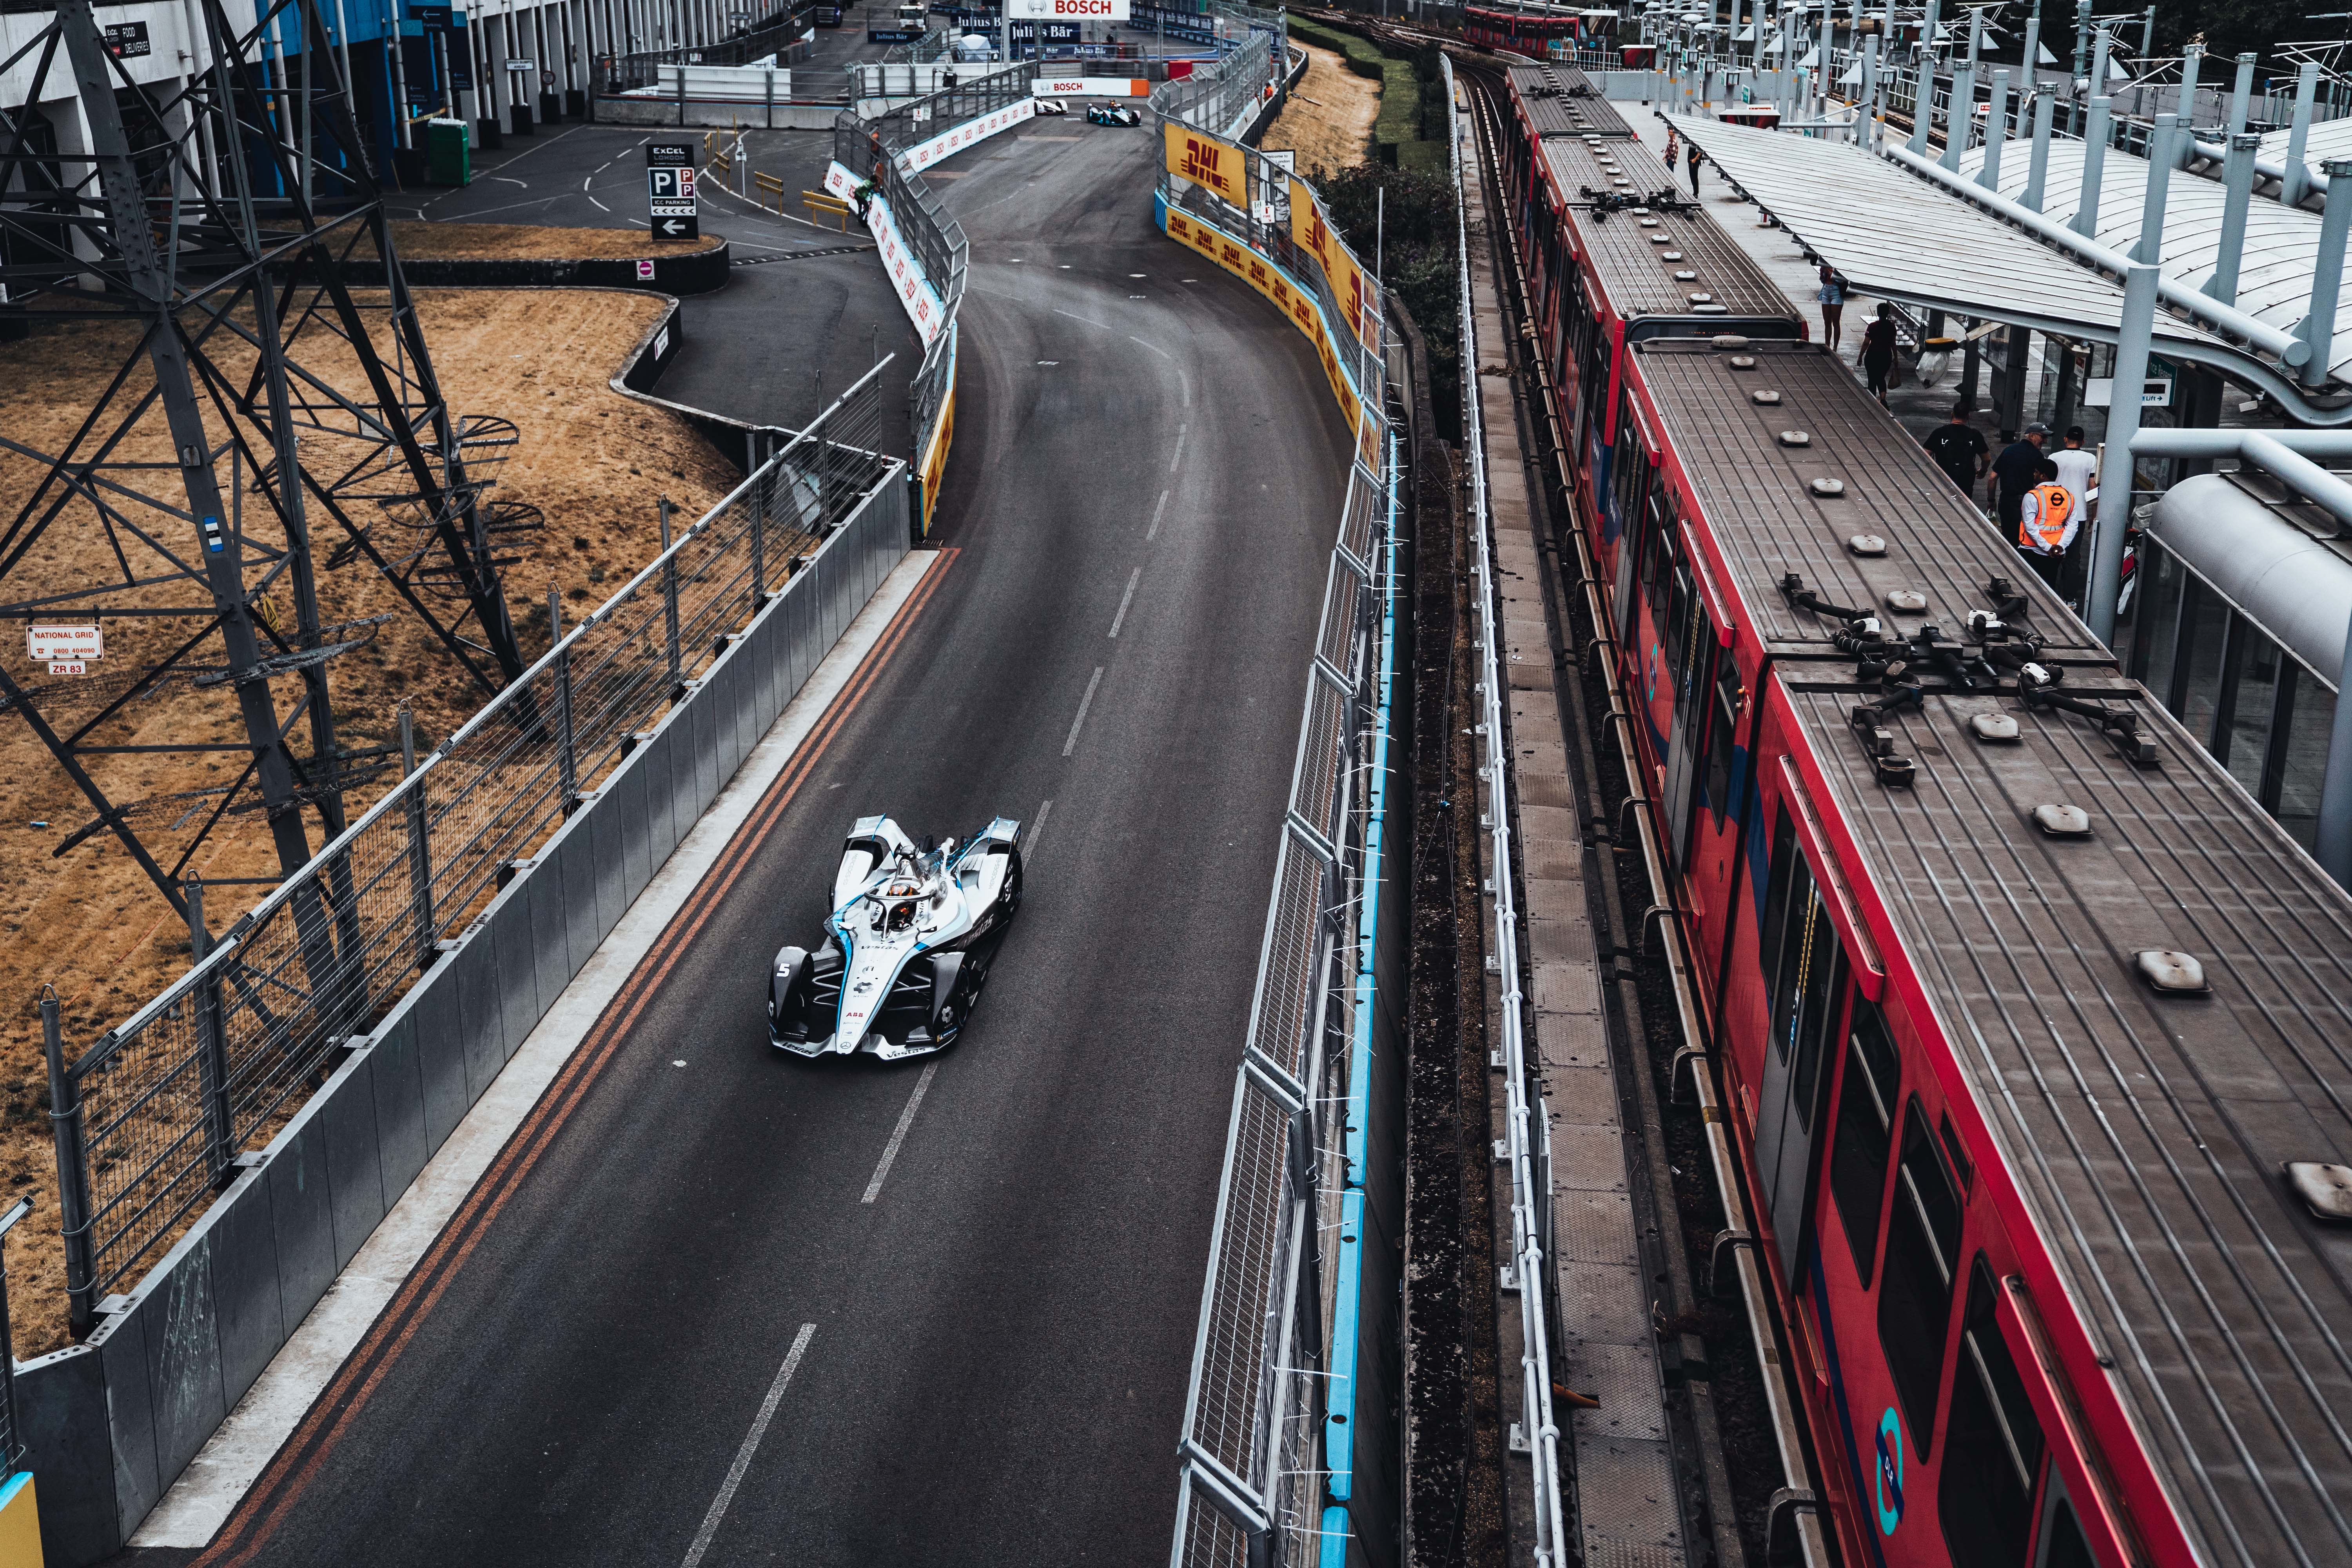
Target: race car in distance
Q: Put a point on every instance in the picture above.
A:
(1112, 114)
(906, 946)
(1050, 106)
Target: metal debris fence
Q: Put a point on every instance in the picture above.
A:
(151, 1120)
(1255, 1472)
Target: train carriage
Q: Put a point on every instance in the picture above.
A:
(2031, 1023)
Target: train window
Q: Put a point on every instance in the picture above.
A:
(2062, 1545)
(1915, 1289)
(1992, 1453)
(1866, 1132)
(1721, 730)
(1676, 640)
(2241, 739)
(2155, 617)
(1809, 972)
(2204, 638)
(2307, 719)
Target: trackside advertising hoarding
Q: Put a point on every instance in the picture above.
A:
(923, 154)
(1217, 167)
(1090, 87)
(1069, 10)
(915, 292)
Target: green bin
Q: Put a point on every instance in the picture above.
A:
(448, 155)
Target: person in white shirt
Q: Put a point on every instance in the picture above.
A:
(2076, 469)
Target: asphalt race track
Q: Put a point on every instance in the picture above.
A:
(991, 1353)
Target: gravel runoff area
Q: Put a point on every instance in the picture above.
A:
(91, 923)
(1327, 121)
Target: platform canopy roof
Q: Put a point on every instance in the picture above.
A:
(2282, 247)
(1897, 235)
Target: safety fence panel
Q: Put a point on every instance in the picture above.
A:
(1291, 1446)
(152, 1117)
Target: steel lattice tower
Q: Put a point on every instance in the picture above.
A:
(226, 218)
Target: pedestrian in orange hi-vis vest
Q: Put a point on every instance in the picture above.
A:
(2047, 522)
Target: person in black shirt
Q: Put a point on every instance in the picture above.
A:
(1958, 448)
(2013, 471)
(1878, 350)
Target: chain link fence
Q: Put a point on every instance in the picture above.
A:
(151, 1120)
(1255, 1471)
(1223, 98)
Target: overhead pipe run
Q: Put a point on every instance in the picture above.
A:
(2287, 456)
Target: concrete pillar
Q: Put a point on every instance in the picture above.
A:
(2095, 162)
(2237, 200)
(2318, 327)
(2150, 247)
(1923, 96)
(1996, 132)
(2075, 65)
(2241, 92)
(2115, 470)
(2037, 173)
(2033, 52)
(2185, 147)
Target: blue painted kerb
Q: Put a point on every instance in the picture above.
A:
(1339, 1421)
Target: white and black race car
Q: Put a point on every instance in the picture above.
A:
(1112, 114)
(907, 948)
(1052, 106)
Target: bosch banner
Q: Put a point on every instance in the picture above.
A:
(1218, 167)
(1069, 10)
(1311, 234)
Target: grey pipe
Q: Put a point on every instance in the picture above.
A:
(1922, 107)
(2270, 168)
(1996, 133)
(2116, 467)
(2242, 93)
(1959, 115)
(2147, 35)
(2033, 51)
(2237, 199)
(2287, 456)
(2158, 190)
(2095, 164)
(2227, 319)
(2191, 56)
(2037, 172)
(2295, 180)
(2318, 325)
(2098, 77)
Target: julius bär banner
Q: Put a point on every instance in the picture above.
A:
(1312, 233)
(1217, 167)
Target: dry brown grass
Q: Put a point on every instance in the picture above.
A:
(522, 242)
(91, 923)
(1329, 120)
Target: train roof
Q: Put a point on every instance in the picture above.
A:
(1636, 254)
(1560, 101)
(1756, 492)
(2146, 1132)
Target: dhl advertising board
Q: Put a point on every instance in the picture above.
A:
(1218, 167)
(1312, 233)
(1294, 299)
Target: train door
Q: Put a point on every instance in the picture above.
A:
(1690, 647)
(1807, 970)
(1643, 522)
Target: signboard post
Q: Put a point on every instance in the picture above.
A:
(669, 190)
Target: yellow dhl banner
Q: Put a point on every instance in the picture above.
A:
(1297, 303)
(1311, 234)
(1218, 167)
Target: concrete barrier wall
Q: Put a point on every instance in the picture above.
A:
(111, 1423)
(717, 112)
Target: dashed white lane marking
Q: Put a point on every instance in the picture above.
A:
(750, 1445)
(1178, 455)
(1125, 600)
(1036, 826)
(1084, 703)
(1150, 532)
(898, 1133)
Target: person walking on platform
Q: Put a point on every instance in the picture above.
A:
(2014, 471)
(2076, 467)
(1694, 157)
(1878, 350)
(1958, 448)
(1832, 295)
(2048, 519)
